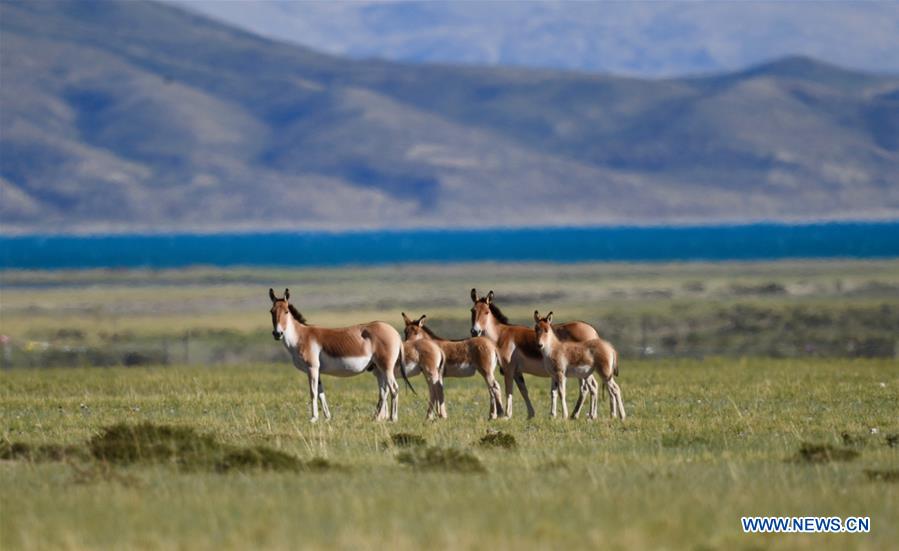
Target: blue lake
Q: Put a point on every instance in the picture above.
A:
(629, 244)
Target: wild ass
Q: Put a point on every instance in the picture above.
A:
(463, 358)
(579, 360)
(427, 358)
(518, 352)
(340, 352)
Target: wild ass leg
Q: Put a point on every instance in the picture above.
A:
(441, 398)
(498, 396)
(575, 413)
(323, 400)
(381, 409)
(313, 392)
(561, 391)
(436, 395)
(509, 379)
(496, 399)
(394, 389)
(594, 397)
(523, 389)
(615, 393)
(554, 394)
(432, 399)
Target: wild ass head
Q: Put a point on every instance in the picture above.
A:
(415, 329)
(283, 313)
(481, 313)
(543, 327)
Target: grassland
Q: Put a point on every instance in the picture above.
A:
(729, 370)
(706, 443)
(209, 316)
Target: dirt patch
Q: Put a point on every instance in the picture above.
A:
(498, 439)
(882, 475)
(823, 453)
(441, 459)
(406, 440)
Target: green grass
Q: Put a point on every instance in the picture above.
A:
(705, 443)
(233, 463)
(215, 316)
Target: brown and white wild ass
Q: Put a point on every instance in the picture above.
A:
(518, 352)
(579, 360)
(427, 358)
(340, 352)
(463, 358)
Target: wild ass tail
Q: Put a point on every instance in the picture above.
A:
(401, 361)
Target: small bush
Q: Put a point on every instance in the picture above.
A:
(320, 464)
(441, 459)
(823, 453)
(892, 440)
(498, 439)
(407, 440)
(258, 457)
(884, 475)
(123, 444)
(855, 440)
(40, 452)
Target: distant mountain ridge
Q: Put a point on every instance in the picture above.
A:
(646, 39)
(137, 116)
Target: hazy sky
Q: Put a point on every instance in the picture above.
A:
(640, 38)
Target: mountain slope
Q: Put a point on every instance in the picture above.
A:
(636, 38)
(139, 116)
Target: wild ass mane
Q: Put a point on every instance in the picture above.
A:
(497, 313)
(296, 314)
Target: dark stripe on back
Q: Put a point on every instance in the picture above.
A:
(434, 336)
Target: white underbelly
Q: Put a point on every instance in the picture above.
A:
(412, 369)
(343, 366)
(579, 371)
(460, 370)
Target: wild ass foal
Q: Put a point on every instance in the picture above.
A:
(427, 358)
(518, 352)
(463, 358)
(580, 360)
(340, 352)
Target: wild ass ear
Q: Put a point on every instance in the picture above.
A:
(549, 317)
(286, 294)
(271, 294)
(421, 321)
(406, 319)
(536, 317)
(489, 297)
(474, 295)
